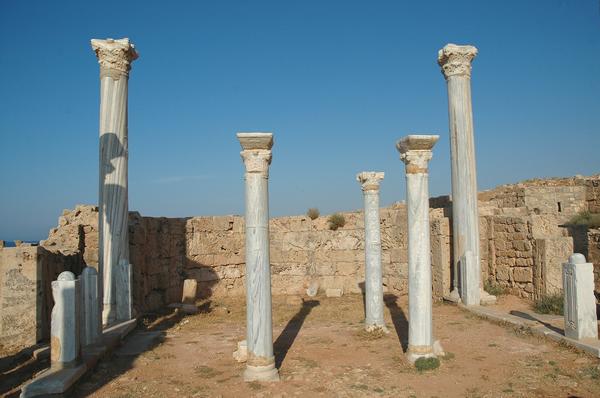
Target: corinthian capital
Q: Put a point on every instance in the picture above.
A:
(114, 56)
(256, 151)
(370, 180)
(456, 60)
(415, 152)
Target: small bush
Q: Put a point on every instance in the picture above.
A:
(494, 288)
(591, 220)
(423, 364)
(313, 213)
(549, 304)
(336, 221)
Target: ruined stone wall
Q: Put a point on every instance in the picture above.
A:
(26, 274)
(593, 255)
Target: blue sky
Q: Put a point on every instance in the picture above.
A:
(338, 82)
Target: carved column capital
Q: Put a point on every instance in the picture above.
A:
(369, 180)
(114, 56)
(456, 60)
(415, 152)
(256, 151)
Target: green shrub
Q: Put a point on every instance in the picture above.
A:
(494, 288)
(336, 221)
(423, 364)
(313, 213)
(549, 304)
(591, 220)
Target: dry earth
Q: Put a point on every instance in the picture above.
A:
(322, 351)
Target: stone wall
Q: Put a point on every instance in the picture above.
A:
(26, 273)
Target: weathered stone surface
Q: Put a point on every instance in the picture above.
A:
(334, 292)
(581, 321)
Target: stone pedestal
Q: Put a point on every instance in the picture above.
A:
(415, 152)
(115, 57)
(456, 67)
(91, 320)
(188, 298)
(581, 321)
(123, 293)
(373, 274)
(256, 154)
(65, 346)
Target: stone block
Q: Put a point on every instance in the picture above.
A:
(333, 292)
(65, 348)
(580, 303)
(190, 290)
(522, 275)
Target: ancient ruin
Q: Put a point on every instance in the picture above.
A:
(110, 291)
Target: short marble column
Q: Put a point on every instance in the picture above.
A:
(369, 181)
(123, 291)
(64, 325)
(581, 321)
(115, 58)
(91, 319)
(256, 154)
(456, 67)
(415, 152)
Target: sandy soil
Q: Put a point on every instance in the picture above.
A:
(322, 351)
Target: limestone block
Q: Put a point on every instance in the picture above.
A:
(190, 290)
(550, 253)
(580, 303)
(345, 268)
(333, 292)
(522, 275)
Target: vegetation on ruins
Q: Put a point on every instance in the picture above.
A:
(549, 304)
(313, 213)
(336, 221)
(423, 364)
(591, 220)
(494, 288)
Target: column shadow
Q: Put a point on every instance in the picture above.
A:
(286, 338)
(398, 319)
(530, 317)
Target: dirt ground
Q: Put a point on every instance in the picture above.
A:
(321, 350)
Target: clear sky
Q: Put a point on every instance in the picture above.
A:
(338, 82)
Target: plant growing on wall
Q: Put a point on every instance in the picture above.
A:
(336, 221)
(591, 220)
(313, 213)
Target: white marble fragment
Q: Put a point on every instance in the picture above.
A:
(91, 320)
(581, 320)
(65, 345)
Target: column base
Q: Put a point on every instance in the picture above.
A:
(376, 328)
(261, 373)
(486, 298)
(424, 351)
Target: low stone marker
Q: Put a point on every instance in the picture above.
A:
(123, 283)
(188, 299)
(334, 292)
(91, 320)
(581, 321)
(64, 334)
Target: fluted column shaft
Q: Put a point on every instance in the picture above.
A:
(456, 67)
(114, 57)
(373, 272)
(256, 155)
(415, 152)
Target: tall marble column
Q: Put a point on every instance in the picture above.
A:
(456, 67)
(415, 152)
(256, 154)
(114, 57)
(369, 181)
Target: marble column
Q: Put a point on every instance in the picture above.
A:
(581, 320)
(65, 329)
(256, 154)
(369, 181)
(456, 66)
(415, 152)
(115, 58)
